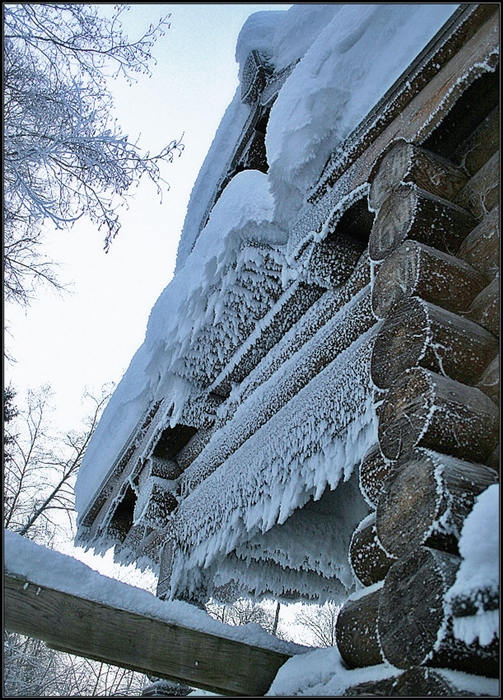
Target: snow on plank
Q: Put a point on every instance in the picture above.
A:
(56, 598)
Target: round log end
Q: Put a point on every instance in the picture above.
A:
(369, 559)
(408, 507)
(396, 279)
(390, 169)
(404, 413)
(411, 609)
(392, 223)
(401, 342)
(356, 631)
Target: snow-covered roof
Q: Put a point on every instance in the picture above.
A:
(256, 357)
(346, 57)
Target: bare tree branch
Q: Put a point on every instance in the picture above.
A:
(64, 155)
(42, 465)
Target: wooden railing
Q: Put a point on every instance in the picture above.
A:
(84, 627)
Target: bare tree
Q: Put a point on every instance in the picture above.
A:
(31, 669)
(243, 612)
(40, 466)
(320, 620)
(39, 470)
(64, 155)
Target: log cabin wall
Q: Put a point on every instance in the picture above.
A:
(435, 366)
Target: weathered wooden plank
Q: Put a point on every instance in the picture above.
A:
(415, 269)
(369, 560)
(419, 334)
(481, 248)
(424, 409)
(122, 638)
(426, 501)
(356, 631)
(406, 162)
(410, 212)
(414, 626)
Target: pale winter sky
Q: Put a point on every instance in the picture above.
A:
(88, 337)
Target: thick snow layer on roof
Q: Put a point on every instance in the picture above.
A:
(479, 570)
(346, 57)
(47, 568)
(352, 62)
(311, 443)
(241, 216)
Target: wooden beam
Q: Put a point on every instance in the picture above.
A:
(101, 632)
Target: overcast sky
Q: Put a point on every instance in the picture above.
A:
(88, 336)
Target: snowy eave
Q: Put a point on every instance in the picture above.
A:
(457, 30)
(257, 399)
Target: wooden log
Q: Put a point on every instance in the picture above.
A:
(194, 447)
(489, 382)
(164, 468)
(406, 162)
(414, 626)
(420, 334)
(291, 307)
(484, 598)
(424, 409)
(374, 469)
(156, 502)
(333, 260)
(410, 212)
(309, 318)
(482, 144)
(481, 193)
(356, 630)
(426, 501)
(422, 682)
(481, 248)
(485, 308)
(369, 560)
(494, 458)
(377, 688)
(139, 642)
(415, 269)
(332, 339)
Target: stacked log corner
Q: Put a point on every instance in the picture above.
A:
(435, 368)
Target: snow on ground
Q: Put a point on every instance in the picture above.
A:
(323, 673)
